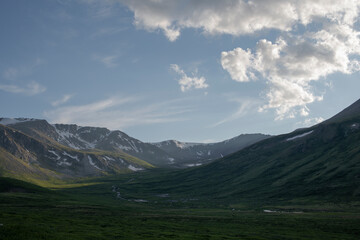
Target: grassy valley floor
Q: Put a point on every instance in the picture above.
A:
(97, 211)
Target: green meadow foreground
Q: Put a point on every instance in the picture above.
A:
(112, 209)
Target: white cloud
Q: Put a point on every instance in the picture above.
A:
(310, 122)
(238, 63)
(317, 38)
(292, 62)
(234, 17)
(62, 100)
(117, 113)
(186, 82)
(30, 89)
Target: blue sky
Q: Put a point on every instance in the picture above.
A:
(199, 71)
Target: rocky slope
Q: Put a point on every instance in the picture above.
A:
(89, 138)
(26, 157)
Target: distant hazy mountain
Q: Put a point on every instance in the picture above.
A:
(22, 156)
(196, 154)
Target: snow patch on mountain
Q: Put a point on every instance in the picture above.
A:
(92, 163)
(133, 145)
(199, 153)
(71, 156)
(135, 169)
(178, 144)
(66, 136)
(54, 153)
(64, 162)
(193, 164)
(59, 160)
(120, 146)
(299, 136)
(108, 158)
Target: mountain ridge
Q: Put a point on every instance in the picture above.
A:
(322, 161)
(23, 156)
(187, 152)
(90, 138)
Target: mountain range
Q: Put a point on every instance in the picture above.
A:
(33, 147)
(197, 154)
(322, 160)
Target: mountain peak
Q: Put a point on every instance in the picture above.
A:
(350, 112)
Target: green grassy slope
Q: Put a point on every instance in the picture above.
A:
(323, 165)
(10, 185)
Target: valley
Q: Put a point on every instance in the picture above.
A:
(95, 212)
(300, 185)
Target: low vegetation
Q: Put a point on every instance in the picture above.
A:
(96, 211)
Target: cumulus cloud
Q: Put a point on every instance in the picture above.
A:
(292, 62)
(186, 82)
(234, 17)
(316, 38)
(238, 63)
(117, 113)
(62, 100)
(30, 89)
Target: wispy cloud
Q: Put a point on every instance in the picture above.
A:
(108, 61)
(30, 89)
(10, 73)
(62, 100)
(244, 106)
(186, 83)
(14, 72)
(14, 79)
(119, 113)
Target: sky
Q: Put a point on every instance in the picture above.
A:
(190, 70)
